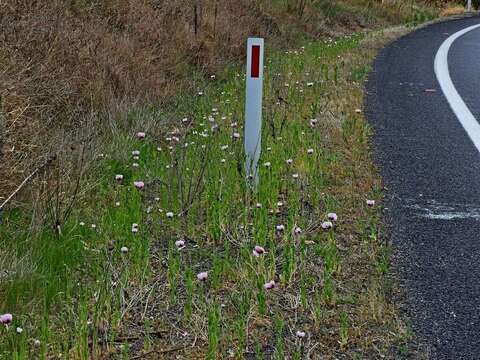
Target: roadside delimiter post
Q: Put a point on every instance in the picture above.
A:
(253, 108)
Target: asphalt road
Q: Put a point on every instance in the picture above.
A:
(431, 171)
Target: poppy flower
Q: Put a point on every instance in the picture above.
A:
(326, 225)
(269, 285)
(6, 318)
(180, 244)
(202, 276)
(134, 228)
(139, 184)
(258, 250)
(332, 216)
(300, 334)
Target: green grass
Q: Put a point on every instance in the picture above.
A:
(83, 298)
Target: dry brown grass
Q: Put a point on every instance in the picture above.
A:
(60, 62)
(453, 9)
(64, 61)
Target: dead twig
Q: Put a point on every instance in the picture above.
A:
(160, 351)
(27, 179)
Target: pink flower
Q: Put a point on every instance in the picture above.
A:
(6, 318)
(134, 228)
(141, 135)
(300, 334)
(139, 185)
(180, 244)
(332, 216)
(203, 276)
(258, 251)
(370, 203)
(269, 285)
(327, 225)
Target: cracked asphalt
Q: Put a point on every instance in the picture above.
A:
(431, 171)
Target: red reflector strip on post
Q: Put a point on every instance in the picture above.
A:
(255, 69)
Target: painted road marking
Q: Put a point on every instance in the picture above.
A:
(464, 115)
(446, 211)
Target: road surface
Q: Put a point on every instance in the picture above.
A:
(431, 168)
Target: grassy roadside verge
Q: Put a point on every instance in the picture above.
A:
(81, 296)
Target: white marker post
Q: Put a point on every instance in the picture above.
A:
(253, 107)
(469, 5)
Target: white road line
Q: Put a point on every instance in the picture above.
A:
(466, 118)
